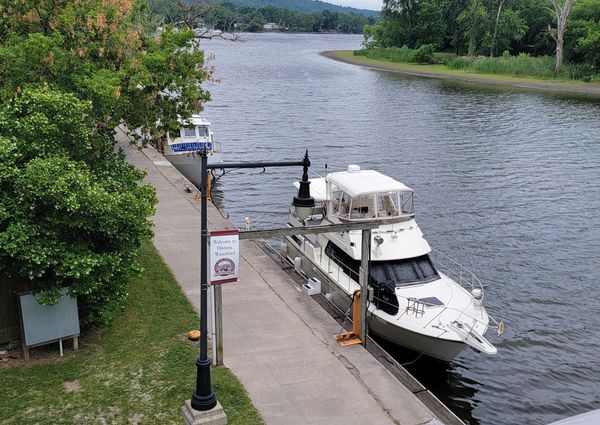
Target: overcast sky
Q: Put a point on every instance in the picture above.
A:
(360, 4)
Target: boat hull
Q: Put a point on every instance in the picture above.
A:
(189, 164)
(440, 349)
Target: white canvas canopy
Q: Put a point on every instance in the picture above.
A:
(357, 182)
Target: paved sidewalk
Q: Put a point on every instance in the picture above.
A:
(277, 340)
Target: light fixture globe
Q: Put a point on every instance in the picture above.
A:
(304, 203)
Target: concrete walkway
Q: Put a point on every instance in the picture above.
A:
(277, 340)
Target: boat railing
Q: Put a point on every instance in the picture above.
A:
(457, 272)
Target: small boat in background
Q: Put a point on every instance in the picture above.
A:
(181, 148)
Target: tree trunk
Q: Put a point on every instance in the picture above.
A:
(562, 13)
(559, 53)
(472, 44)
(496, 28)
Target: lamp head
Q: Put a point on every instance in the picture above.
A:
(304, 203)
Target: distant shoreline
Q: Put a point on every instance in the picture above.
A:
(578, 88)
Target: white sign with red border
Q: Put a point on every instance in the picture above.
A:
(224, 256)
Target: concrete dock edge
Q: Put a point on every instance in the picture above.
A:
(277, 340)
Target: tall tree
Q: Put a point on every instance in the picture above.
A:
(561, 11)
(474, 19)
(500, 5)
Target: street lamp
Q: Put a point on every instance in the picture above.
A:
(304, 203)
(204, 398)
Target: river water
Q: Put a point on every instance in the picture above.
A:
(505, 181)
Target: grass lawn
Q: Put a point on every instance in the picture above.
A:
(140, 370)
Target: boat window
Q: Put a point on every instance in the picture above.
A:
(408, 206)
(362, 207)
(202, 131)
(188, 132)
(403, 272)
(340, 202)
(387, 204)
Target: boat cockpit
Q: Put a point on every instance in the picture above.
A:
(370, 206)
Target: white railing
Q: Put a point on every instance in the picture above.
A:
(457, 272)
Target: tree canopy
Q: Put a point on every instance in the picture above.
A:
(484, 27)
(72, 212)
(105, 51)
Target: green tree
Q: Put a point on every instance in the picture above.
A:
(474, 20)
(582, 41)
(72, 212)
(104, 51)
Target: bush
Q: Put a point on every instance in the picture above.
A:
(72, 212)
(424, 54)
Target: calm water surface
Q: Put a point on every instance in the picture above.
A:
(507, 182)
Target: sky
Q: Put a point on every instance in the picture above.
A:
(359, 4)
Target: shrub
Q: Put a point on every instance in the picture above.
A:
(423, 54)
(72, 211)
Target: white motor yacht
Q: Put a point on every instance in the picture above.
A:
(181, 149)
(419, 299)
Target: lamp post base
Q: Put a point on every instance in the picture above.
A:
(214, 416)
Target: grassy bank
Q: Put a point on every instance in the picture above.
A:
(541, 67)
(565, 86)
(141, 370)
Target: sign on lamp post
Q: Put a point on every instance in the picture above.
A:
(224, 256)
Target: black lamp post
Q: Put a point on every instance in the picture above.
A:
(204, 398)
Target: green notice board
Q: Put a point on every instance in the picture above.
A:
(43, 323)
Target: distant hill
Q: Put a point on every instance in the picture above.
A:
(306, 6)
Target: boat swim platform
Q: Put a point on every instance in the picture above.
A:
(277, 340)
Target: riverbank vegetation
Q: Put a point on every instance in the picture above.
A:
(72, 211)
(140, 370)
(522, 65)
(228, 17)
(509, 37)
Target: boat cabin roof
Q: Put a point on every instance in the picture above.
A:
(356, 182)
(194, 120)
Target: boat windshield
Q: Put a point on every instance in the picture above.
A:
(404, 272)
(188, 132)
(392, 273)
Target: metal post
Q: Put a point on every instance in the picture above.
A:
(218, 325)
(204, 398)
(213, 320)
(364, 282)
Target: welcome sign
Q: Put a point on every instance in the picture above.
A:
(224, 256)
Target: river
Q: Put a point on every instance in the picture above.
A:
(505, 181)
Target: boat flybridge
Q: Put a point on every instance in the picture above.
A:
(181, 149)
(420, 299)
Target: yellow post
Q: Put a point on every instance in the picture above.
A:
(209, 187)
(352, 338)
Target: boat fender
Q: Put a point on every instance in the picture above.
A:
(298, 264)
(284, 248)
